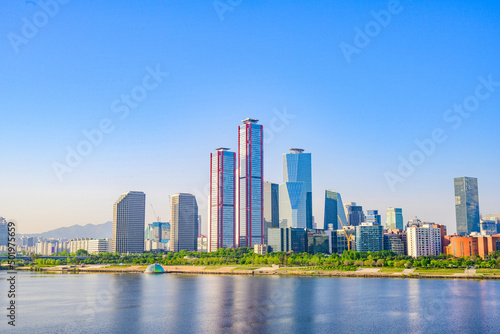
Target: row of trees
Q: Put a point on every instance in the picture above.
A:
(246, 256)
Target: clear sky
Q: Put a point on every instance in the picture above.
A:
(359, 101)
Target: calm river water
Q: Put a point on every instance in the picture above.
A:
(170, 303)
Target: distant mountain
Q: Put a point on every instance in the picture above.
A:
(99, 231)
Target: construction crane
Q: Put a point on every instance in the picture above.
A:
(158, 218)
(349, 237)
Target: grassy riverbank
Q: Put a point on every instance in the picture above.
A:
(437, 273)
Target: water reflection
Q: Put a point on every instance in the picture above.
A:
(136, 303)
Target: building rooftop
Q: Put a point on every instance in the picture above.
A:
(222, 149)
(250, 121)
(297, 150)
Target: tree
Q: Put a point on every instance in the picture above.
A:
(81, 252)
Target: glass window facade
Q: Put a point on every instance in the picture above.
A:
(466, 205)
(250, 225)
(222, 200)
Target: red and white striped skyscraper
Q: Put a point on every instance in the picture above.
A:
(250, 222)
(222, 220)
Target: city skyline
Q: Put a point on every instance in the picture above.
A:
(357, 119)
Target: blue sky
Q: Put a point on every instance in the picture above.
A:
(261, 60)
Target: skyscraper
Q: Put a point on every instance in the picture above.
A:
(334, 208)
(128, 223)
(354, 213)
(466, 205)
(394, 219)
(271, 207)
(222, 222)
(250, 224)
(296, 190)
(183, 223)
(372, 216)
(4, 232)
(369, 237)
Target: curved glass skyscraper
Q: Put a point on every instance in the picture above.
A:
(296, 190)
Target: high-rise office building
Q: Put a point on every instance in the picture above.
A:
(183, 223)
(394, 219)
(395, 241)
(250, 219)
(424, 240)
(271, 207)
(466, 205)
(372, 216)
(287, 239)
(222, 222)
(354, 213)
(128, 223)
(4, 232)
(334, 208)
(296, 190)
(157, 231)
(369, 237)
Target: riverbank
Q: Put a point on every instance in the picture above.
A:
(490, 274)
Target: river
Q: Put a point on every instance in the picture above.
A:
(176, 303)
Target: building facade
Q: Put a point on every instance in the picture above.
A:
(222, 223)
(319, 241)
(4, 232)
(79, 243)
(394, 219)
(295, 209)
(395, 241)
(97, 246)
(424, 241)
(354, 213)
(461, 246)
(157, 232)
(250, 219)
(369, 237)
(287, 239)
(466, 205)
(271, 207)
(128, 223)
(372, 216)
(183, 222)
(334, 209)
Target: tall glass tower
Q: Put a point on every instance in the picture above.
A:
(128, 223)
(222, 200)
(467, 205)
(183, 223)
(271, 207)
(250, 226)
(334, 208)
(394, 219)
(372, 216)
(296, 190)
